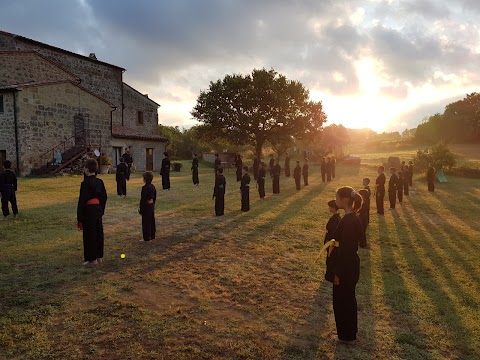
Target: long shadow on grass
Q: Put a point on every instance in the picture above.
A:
(396, 293)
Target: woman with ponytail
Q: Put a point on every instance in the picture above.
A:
(347, 264)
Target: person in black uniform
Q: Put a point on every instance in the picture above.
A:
(392, 188)
(332, 225)
(287, 165)
(148, 198)
(380, 189)
(256, 166)
(239, 165)
(276, 171)
(262, 173)
(8, 187)
(217, 164)
(245, 189)
(271, 164)
(366, 186)
(431, 178)
(323, 169)
(194, 170)
(297, 175)
(128, 161)
(219, 192)
(410, 172)
(346, 268)
(363, 216)
(165, 172)
(334, 163)
(90, 209)
(328, 167)
(121, 178)
(305, 173)
(400, 182)
(406, 180)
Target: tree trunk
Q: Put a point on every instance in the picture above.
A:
(258, 148)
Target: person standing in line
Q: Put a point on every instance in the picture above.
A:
(297, 175)
(271, 164)
(406, 180)
(323, 169)
(217, 164)
(410, 173)
(245, 189)
(305, 173)
(334, 163)
(8, 187)
(347, 265)
(128, 161)
(219, 192)
(194, 170)
(400, 183)
(148, 198)
(262, 173)
(239, 165)
(256, 166)
(366, 186)
(431, 178)
(332, 225)
(380, 189)
(363, 216)
(287, 165)
(329, 169)
(165, 172)
(392, 188)
(276, 171)
(121, 178)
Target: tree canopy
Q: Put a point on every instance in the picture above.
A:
(258, 108)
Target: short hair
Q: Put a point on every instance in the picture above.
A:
(216, 155)
(381, 167)
(122, 159)
(393, 169)
(148, 177)
(332, 204)
(91, 165)
(245, 168)
(194, 154)
(7, 164)
(220, 170)
(367, 180)
(298, 161)
(271, 155)
(165, 153)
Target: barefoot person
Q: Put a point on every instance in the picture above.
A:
(148, 198)
(8, 187)
(165, 172)
(245, 189)
(219, 192)
(121, 178)
(262, 173)
(194, 170)
(380, 189)
(90, 209)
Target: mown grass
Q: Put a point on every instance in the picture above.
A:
(244, 286)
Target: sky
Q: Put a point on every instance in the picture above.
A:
(379, 64)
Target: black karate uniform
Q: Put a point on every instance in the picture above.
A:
(406, 180)
(297, 175)
(347, 268)
(271, 164)
(287, 166)
(329, 170)
(410, 172)
(367, 202)
(90, 216)
(323, 170)
(129, 161)
(148, 198)
(194, 169)
(245, 190)
(332, 225)
(256, 165)
(334, 162)
(392, 190)
(380, 192)
(121, 179)
(276, 171)
(431, 178)
(305, 174)
(8, 187)
(238, 165)
(219, 194)
(400, 183)
(261, 182)
(165, 172)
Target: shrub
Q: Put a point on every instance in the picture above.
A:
(439, 156)
(105, 160)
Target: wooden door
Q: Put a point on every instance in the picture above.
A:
(149, 159)
(3, 157)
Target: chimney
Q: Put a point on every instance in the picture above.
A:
(92, 56)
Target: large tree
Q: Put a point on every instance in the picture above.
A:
(253, 109)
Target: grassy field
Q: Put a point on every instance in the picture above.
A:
(243, 286)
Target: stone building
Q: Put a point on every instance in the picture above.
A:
(55, 100)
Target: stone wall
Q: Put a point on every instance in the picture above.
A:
(20, 67)
(134, 102)
(46, 118)
(7, 128)
(138, 150)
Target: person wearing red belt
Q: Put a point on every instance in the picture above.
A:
(90, 209)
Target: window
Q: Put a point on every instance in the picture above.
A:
(2, 109)
(140, 117)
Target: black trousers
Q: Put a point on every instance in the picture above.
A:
(297, 183)
(166, 181)
(261, 188)
(379, 199)
(392, 197)
(246, 199)
(129, 170)
(329, 176)
(276, 184)
(405, 188)
(364, 221)
(333, 173)
(122, 185)
(195, 176)
(287, 171)
(148, 223)
(411, 180)
(323, 176)
(9, 196)
(305, 179)
(93, 239)
(219, 205)
(345, 310)
(431, 185)
(400, 195)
